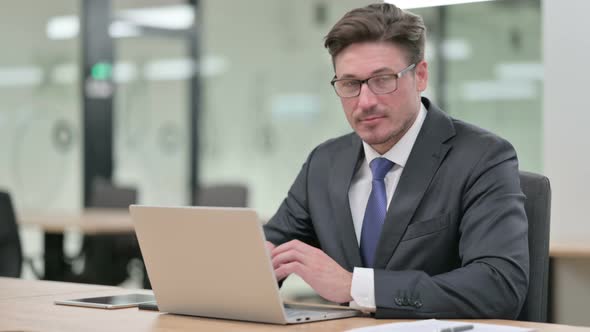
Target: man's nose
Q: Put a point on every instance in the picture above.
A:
(367, 98)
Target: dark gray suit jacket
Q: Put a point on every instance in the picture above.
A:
(454, 243)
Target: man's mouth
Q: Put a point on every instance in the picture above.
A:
(370, 119)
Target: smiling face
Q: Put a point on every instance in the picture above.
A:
(381, 120)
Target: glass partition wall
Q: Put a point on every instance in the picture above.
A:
(40, 123)
(266, 98)
(269, 103)
(40, 113)
(495, 72)
(152, 72)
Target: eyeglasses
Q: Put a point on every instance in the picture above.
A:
(378, 84)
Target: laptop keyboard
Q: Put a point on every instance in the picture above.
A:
(308, 314)
(292, 312)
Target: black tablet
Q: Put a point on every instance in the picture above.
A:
(148, 306)
(110, 302)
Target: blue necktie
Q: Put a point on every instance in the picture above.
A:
(375, 212)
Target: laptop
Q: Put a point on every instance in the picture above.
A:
(213, 262)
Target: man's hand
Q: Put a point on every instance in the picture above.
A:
(320, 271)
(270, 247)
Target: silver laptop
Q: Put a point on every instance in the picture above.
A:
(212, 262)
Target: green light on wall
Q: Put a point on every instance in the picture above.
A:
(102, 71)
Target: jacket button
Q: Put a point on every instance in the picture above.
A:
(418, 304)
(398, 301)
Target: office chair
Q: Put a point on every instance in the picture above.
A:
(106, 195)
(106, 256)
(228, 195)
(538, 210)
(11, 257)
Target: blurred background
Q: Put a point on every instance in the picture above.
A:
(165, 99)
(263, 80)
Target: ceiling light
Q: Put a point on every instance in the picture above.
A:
(63, 27)
(121, 29)
(176, 17)
(124, 72)
(406, 4)
(20, 76)
(127, 23)
(169, 69)
(519, 71)
(498, 90)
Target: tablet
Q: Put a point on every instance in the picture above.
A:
(110, 302)
(148, 306)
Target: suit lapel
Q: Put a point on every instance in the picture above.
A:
(428, 152)
(340, 178)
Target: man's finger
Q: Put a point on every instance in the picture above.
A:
(269, 246)
(288, 257)
(291, 245)
(285, 270)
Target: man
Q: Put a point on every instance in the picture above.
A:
(415, 214)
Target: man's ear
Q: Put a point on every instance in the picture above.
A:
(422, 75)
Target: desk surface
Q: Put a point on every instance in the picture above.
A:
(570, 250)
(89, 221)
(27, 305)
(101, 221)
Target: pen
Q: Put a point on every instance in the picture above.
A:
(459, 328)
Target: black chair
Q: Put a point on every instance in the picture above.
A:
(106, 195)
(106, 256)
(228, 195)
(11, 258)
(538, 209)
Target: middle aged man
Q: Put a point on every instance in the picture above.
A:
(415, 214)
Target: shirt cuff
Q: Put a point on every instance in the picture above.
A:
(362, 289)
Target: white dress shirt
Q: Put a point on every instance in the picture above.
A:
(363, 285)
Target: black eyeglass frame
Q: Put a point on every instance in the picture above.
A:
(366, 80)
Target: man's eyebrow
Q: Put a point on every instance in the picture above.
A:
(382, 70)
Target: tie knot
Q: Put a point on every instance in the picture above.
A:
(380, 167)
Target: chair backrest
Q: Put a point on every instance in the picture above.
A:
(10, 249)
(107, 255)
(538, 210)
(226, 195)
(106, 195)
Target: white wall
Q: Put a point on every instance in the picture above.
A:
(566, 149)
(566, 120)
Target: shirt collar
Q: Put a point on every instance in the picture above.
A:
(400, 152)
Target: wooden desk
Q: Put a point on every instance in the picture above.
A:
(569, 272)
(569, 250)
(29, 307)
(13, 289)
(91, 221)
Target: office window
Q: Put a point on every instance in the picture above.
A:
(267, 101)
(495, 73)
(151, 106)
(40, 124)
(267, 98)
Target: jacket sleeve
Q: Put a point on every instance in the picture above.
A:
(492, 279)
(292, 220)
